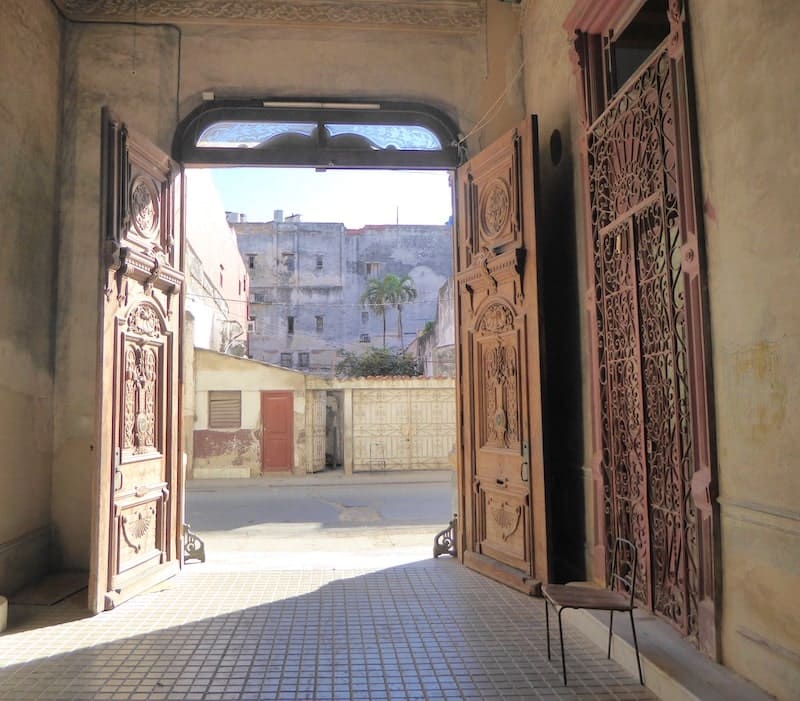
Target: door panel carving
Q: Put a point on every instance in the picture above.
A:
(138, 486)
(501, 474)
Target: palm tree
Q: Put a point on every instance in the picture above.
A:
(389, 291)
(375, 296)
(401, 290)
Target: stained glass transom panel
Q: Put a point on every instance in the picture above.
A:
(250, 134)
(391, 136)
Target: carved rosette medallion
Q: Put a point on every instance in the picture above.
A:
(495, 208)
(144, 208)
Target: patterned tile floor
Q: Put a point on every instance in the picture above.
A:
(426, 630)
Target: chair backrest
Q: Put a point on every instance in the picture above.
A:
(624, 567)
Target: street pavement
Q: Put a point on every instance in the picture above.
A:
(326, 521)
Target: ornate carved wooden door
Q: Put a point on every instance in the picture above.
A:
(501, 473)
(137, 524)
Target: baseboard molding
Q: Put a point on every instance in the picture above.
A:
(24, 559)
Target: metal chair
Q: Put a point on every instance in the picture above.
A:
(561, 596)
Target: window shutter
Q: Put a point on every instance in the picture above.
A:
(224, 409)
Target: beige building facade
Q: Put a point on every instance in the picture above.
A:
(486, 64)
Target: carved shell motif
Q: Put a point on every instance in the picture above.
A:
(496, 319)
(506, 518)
(136, 528)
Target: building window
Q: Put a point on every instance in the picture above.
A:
(221, 269)
(224, 409)
(364, 317)
(319, 262)
(251, 260)
(372, 269)
(240, 288)
(290, 324)
(302, 360)
(320, 323)
(288, 261)
(364, 338)
(286, 360)
(259, 297)
(251, 324)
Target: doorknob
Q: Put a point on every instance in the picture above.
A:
(119, 477)
(501, 482)
(525, 468)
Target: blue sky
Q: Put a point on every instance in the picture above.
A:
(355, 197)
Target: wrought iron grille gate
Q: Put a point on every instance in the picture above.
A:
(647, 462)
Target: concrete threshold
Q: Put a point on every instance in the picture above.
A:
(325, 479)
(673, 669)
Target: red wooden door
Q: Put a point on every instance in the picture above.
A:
(277, 431)
(501, 470)
(136, 523)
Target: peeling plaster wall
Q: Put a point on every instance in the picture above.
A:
(237, 452)
(30, 35)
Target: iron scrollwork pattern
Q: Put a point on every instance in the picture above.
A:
(444, 543)
(640, 301)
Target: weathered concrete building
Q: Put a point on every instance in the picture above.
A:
(307, 279)
(626, 282)
(435, 345)
(217, 284)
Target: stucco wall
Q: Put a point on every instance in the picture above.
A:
(748, 98)
(30, 35)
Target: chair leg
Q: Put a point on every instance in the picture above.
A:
(561, 638)
(547, 625)
(636, 647)
(610, 629)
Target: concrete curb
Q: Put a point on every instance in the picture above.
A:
(324, 479)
